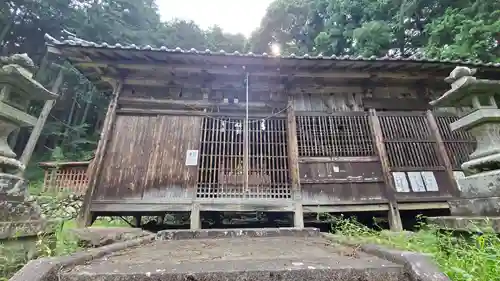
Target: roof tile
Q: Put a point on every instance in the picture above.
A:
(78, 42)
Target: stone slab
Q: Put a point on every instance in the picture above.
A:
(91, 237)
(475, 206)
(238, 258)
(483, 224)
(20, 229)
(183, 234)
(486, 184)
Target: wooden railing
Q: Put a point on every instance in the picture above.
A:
(65, 177)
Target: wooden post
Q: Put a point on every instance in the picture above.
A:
(85, 217)
(136, 221)
(195, 219)
(394, 216)
(442, 154)
(293, 163)
(37, 130)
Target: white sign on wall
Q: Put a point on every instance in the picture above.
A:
(192, 158)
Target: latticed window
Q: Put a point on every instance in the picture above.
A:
(459, 144)
(334, 136)
(408, 141)
(221, 172)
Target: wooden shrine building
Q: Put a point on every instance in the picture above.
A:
(324, 134)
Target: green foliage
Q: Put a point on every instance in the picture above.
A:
(468, 257)
(63, 244)
(372, 38)
(464, 29)
(467, 33)
(13, 256)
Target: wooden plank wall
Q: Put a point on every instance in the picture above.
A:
(146, 158)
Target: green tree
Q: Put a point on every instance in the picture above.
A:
(466, 33)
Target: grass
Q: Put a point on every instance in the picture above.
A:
(11, 259)
(471, 257)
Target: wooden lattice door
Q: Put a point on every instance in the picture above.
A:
(413, 156)
(221, 170)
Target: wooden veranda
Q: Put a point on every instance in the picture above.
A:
(321, 134)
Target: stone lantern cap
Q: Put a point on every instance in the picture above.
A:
(15, 72)
(465, 87)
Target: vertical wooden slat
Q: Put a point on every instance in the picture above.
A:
(85, 215)
(394, 216)
(440, 147)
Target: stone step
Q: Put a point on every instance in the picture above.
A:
(267, 270)
(238, 254)
(467, 223)
(278, 254)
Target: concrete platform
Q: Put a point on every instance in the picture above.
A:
(291, 258)
(237, 254)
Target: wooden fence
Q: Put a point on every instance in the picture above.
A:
(65, 177)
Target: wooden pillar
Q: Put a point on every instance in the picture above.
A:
(293, 163)
(393, 215)
(441, 151)
(85, 217)
(195, 219)
(37, 130)
(136, 221)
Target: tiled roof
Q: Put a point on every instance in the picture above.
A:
(75, 42)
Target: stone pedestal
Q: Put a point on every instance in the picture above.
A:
(478, 207)
(20, 217)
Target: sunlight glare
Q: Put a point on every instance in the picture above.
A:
(275, 49)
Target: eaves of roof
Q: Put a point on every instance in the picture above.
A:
(86, 44)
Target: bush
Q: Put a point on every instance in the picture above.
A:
(473, 256)
(13, 259)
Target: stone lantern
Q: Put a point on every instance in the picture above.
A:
(18, 216)
(480, 189)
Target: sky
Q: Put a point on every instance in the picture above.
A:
(234, 16)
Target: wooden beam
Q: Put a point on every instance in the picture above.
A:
(389, 188)
(255, 88)
(85, 216)
(42, 118)
(194, 103)
(395, 103)
(143, 111)
(441, 152)
(239, 70)
(338, 159)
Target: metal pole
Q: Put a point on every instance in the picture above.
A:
(245, 130)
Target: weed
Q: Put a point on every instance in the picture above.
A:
(471, 256)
